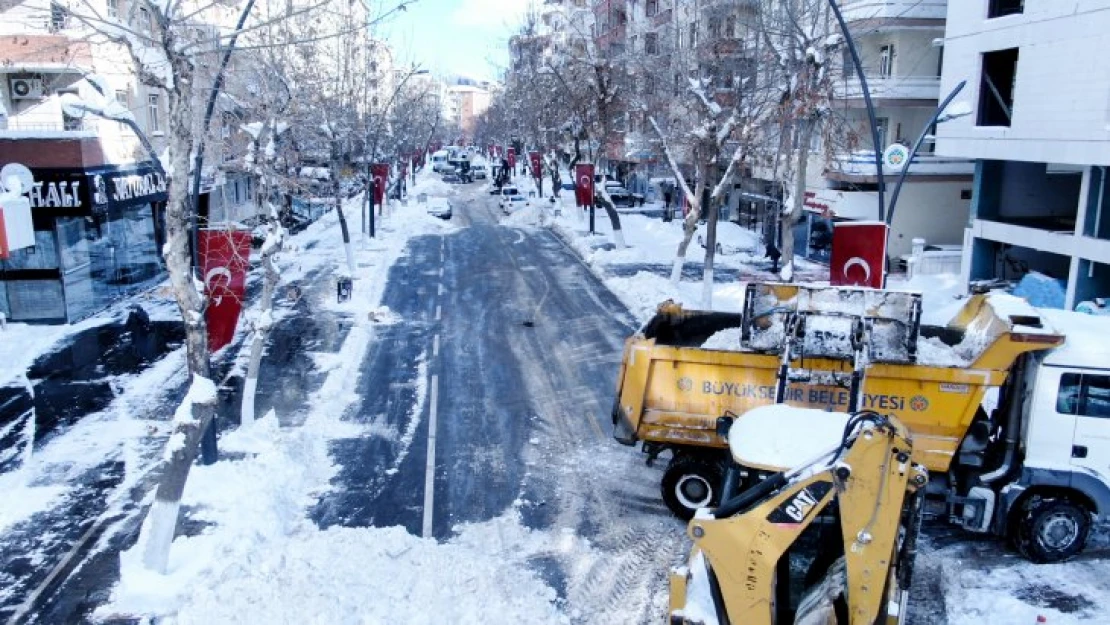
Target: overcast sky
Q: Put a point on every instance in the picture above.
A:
(468, 37)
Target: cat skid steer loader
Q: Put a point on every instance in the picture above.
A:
(830, 541)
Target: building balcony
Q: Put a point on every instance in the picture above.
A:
(893, 10)
(859, 167)
(907, 88)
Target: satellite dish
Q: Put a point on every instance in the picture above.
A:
(16, 178)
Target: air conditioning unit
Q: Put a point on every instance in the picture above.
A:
(26, 88)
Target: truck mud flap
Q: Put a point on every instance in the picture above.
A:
(623, 431)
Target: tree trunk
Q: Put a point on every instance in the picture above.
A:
(339, 210)
(263, 324)
(193, 417)
(793, 213)
(690, 224)
(710, 254)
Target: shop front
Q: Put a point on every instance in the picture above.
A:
(98, 232)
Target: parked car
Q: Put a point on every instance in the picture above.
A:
(621, 197)
(439, 207)
(512, 203)
(452, 175)
(478, 172)
(507, 191)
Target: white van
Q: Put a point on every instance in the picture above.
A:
(439, 161)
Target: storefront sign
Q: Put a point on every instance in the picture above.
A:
(83, 191)
(584, 184)
(225, 257)
(380, 173)
(858, 254)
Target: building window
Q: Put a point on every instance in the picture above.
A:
(1002, 8)
(886, 61)
(121, 97)
(730, 27)
(693, 34)
(884, 131)
(113, 8)
(632, 43)
(651, 7)
(649, 85)
(152, 114)
(651, 43)
(677, 84)
(59, 17)
(996, 88)
(714, 30)
(144, 20)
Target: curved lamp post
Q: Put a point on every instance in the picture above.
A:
(939, 117)
(867, 102)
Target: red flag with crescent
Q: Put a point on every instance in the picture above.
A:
(584, 184)
(536, 164)
(380, 172)
(858, 254)
(512, 158)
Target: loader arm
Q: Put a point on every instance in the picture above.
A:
(738, 556)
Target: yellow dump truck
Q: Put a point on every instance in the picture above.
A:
(1035, 467)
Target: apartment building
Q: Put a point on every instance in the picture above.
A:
(900, 45)
(1040, 137)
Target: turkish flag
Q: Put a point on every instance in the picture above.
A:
(536, 164)
(380, 173)
(4, 252)
(512, 158)
(584, 184)
(224, 260)
(858, 254)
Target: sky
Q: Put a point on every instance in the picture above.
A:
(467, 37)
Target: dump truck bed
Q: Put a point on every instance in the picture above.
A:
(671, 391)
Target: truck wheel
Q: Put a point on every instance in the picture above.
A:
(690, 483)
(1051, 529)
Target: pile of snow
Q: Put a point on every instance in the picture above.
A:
(727, 339)
(263, 561)
(767, 437)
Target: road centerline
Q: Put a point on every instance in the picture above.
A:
(430, 465)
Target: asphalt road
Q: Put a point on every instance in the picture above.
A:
(509, 348)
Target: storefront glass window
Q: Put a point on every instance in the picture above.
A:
(107, 256)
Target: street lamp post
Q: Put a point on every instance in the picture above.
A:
(867, 102)
(938, 117)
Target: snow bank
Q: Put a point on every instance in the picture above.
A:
(767, 436)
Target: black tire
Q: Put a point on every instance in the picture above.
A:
(690, 483)
(1050, 529)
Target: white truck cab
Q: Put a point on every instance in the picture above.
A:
(1050, 478)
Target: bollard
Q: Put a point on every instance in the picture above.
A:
(344, 286)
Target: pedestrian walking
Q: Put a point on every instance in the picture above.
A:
(667, 196)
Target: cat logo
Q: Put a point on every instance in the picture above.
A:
(797, 508)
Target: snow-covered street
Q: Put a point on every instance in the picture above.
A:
(435, 449)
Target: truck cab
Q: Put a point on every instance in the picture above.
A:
(1062, 483)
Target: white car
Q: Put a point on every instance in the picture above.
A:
(512, 203)
(439, 207)
(478, 172)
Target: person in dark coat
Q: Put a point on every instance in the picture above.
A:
(667, 196)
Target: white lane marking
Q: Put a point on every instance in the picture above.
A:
(435, 345)
(24, 608)
(439, 312)
(430, 466)
(441, 289)
(441, 272)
